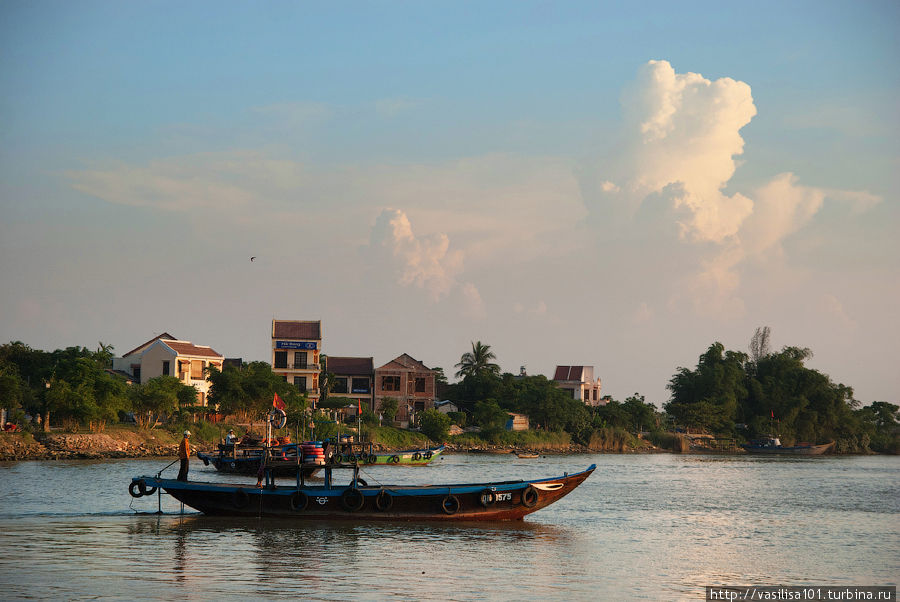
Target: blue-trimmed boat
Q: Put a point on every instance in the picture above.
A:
(772, 445)
(356, 500)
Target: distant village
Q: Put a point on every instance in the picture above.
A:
(296, 356)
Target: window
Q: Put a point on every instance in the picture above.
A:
(340, 385)
(166, 368)
(137, 374)
(360, 385)
(420, 385)
(281, 359)
(390, 383)
(300, 383)
(197, 369)
(300, 359)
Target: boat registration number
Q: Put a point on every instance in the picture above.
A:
(504, 497)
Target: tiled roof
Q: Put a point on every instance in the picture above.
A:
(308, 330)
(406, 362)
(188, 348)
(164, 335)
(568, 373)
(350, 365)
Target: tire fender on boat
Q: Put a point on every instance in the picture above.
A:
(394, 459)
(299, 501)
(529, 497)
(450, 504)
(205, 461)
(417, 456)
(352, 499)
(232, 465)
(240, 498)
(137, 488)
(427, 455)
(384, 501)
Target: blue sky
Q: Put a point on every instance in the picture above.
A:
(421, 175)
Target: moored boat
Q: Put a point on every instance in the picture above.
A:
(772, 445)
(282, 460)
(407, 457)
(494, 500)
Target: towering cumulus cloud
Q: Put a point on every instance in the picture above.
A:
(663, 184)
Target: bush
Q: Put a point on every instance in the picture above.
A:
(434, 424)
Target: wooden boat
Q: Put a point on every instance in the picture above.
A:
(772, 445)
(526, 456)
(494, 501)
(281, 460)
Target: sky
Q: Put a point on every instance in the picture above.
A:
(613, 184)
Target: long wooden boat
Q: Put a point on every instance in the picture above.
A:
(772, 445)
(489, 501)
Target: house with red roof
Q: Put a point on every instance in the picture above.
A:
(353, 379)
(296, 345)
(164, 355)
(579, 381)
(410, 382)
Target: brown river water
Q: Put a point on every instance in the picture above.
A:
(656, 527)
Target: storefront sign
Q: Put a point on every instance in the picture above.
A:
(312, 345)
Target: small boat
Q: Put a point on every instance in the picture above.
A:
(494, 500)
(282, 460)
(527, 456)
(772, 445)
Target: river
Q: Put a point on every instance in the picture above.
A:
(656, 527)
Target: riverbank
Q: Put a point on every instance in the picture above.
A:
(136, 443)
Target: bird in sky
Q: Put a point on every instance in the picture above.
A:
(252, 258)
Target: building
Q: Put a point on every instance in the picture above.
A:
(517, 422)
(446, 406)
(296, 345)
(579, 381)
(165, 355)
(410, 382)
(353, 379)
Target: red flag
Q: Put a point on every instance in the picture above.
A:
(277, 403)
(359, 406)
(773, 413)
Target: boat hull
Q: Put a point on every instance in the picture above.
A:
(250, 466)
(494, 501)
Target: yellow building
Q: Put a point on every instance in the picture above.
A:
(296, 345)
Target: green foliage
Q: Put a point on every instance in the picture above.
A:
(398, 438)
(490, 416)
(158, 398)
(434, 424)
(388, 409)
(457, 418)
(478, 362)
(248, 392)
(707, 398)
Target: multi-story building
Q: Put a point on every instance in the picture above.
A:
(410, 382)
(296, 345)
(353, 379)
(579, 380)
(165, 355)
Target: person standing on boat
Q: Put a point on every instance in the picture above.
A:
(184, 452)
(230, 438)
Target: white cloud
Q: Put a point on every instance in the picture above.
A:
(663, 186)
(425, 262)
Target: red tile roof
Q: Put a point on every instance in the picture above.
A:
(188, 348)
(406, 362)
(307, 330)
(350, 366)
(568, 373)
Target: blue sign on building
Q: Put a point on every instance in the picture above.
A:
(295, 345)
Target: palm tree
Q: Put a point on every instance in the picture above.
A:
(477, 362)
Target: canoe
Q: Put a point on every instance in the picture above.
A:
(487, 501)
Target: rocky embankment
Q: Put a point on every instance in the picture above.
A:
(56, 446)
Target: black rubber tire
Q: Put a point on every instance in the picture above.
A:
(299, 501)
(394, 459)
(416, 457)
(361, 482)
(205, 461)
(352, 499)
(135, 489)
(450, 504)
(427, 455)
(529, 497)
(383, 501)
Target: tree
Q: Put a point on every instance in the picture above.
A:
(490, 416)
(248, 392)
(434, 424)
(477, 362)
(759, 344)
(158, 398)
(388, 409)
